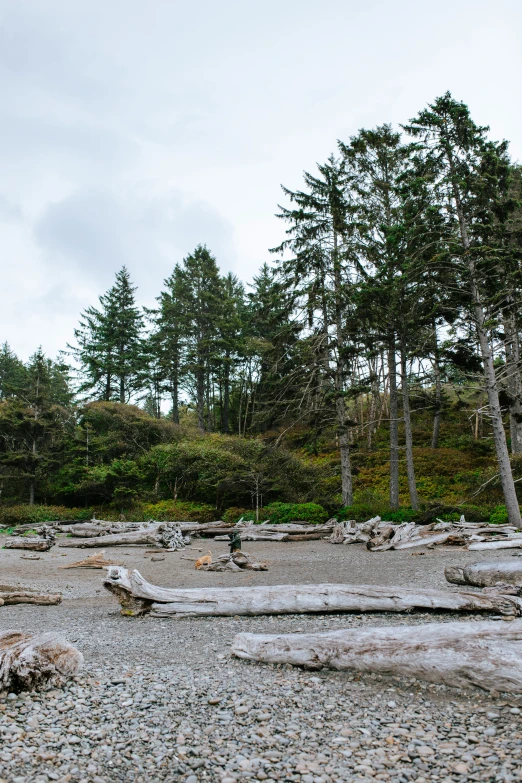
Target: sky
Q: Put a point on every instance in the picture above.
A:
(131, 131)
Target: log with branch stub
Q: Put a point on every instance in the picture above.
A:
(137, 596)
(486, 574)
(507, 543)
(484, 654)
(33, 661)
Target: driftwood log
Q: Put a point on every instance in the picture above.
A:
(504, 543)
(12, 594)
(138, 537)
(137, 596)
(484, 654)
(486, 574)
(30, 661)
(34, 544)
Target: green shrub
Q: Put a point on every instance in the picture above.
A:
(25, 514)
(177, 511)
(401, 515)
(499, 516)
(234, 514)
(280, 513)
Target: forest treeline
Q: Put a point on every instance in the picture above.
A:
(390, 311)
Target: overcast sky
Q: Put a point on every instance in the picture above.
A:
(130, 131)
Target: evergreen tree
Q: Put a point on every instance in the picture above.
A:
(110, 347)
(12, 373)
(471, 175)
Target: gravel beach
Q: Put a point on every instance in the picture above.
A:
(163, 700)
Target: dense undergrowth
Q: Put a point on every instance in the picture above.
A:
(140, 468)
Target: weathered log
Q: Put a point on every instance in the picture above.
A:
(93, 561)
(30, 661)
(19, 595)
(251, 534)
(137, 596)
(486, 574)
(136, 538)
(504, 543)
(34, 544)
(486, 654)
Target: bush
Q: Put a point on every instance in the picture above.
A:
(499, 516)
(234, 514)
(281, 513)
(24, 514)
(177, 511)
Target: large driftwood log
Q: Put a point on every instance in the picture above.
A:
(30, 661)
(485, 654)
(486, 574)
(34, 544)
(138, 537)
(137, 596)
(504, 543)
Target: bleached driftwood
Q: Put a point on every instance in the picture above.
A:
(11, 594)
(30, 661)
(166, 534)
(33, 543)
(93, 561)
(137, 596)
(236, 561)
(257, 534)
(486, 574)
(484, 654)
(505, 543)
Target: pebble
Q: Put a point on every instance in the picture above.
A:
(172, 705)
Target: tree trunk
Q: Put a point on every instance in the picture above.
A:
(137, 596)
(175, 397)
(410, 467)
(394, 424)
(34, 544)
(513, 379)
(438, 393)
(495, 412)
(485, 654)
(225, 426)
(200, 394)
(18, 595)
(34, 661)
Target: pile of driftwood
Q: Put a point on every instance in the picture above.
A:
(167, 535)
(33, 661)
(11, 594)
(234, 561)
(137, 597)
(380, 536)
(39, 543)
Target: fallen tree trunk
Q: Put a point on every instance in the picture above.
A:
(487, 655)
(137, 596)
(34, 544)
(30, 661)
(16, 595)
(486, 574)
(506, 543)
(248, 534)
(138, 537)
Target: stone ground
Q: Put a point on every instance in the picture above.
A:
(162, 700)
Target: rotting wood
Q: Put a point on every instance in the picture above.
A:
(137, 596)
(486, 574)
(33, 661)
(484, 654)
(93, 561)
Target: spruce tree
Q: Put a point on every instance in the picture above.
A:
(472, 176)
(110, 348)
